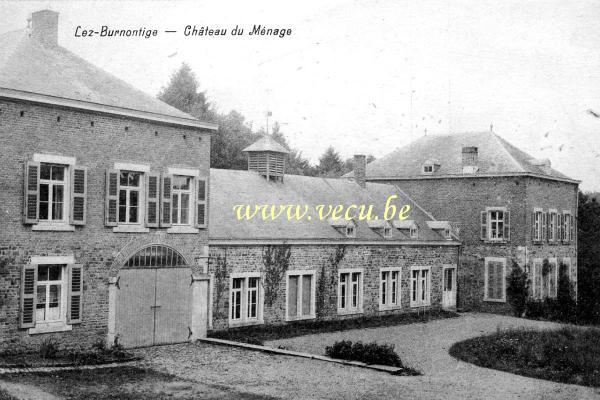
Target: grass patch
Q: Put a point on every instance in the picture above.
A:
(125, 383)
(566, 355)
(4, 395)
(258, 334)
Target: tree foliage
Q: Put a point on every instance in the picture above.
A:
(588, 259)
(517, 289)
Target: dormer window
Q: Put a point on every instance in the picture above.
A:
(428, 169)
(442, 227)
(345, 227)
(350, 231)
(430, 166)
(408, 227)
(414, 232)
(447, 234)
(387, 232)
(381, 227)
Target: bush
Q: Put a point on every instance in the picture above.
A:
(49, 348)
(535, 309)
(517, 289)
(369, 353)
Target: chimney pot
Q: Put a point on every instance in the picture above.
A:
(43, 26)
(360, 170)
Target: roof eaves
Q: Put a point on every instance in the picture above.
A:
(327, 241)
(459, 176)
(102, 108)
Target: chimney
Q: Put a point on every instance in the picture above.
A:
(43, 27)
(469, 160)
(360, 170)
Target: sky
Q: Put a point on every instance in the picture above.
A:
(369, 76)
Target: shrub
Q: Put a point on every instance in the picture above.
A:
(535, 309)
(49, 348)
(369, 353)
(517, 289)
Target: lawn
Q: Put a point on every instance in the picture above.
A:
(566, 355)
(123, 383)
(258, 334)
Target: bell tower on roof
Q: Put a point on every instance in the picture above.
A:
(267, 157)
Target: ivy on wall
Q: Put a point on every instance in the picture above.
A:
(220, 283)
(276, 261)
(327, 281)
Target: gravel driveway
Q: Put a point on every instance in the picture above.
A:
(422, 346)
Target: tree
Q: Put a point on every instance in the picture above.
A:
(330, 164)
(230, 139)
(349, 163)
(588, 259)
(183, 92)
(517, 289)
(295, 164)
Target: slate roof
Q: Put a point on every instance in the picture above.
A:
(232, 187)
(266, 143)
(496, 156)
(26, 65)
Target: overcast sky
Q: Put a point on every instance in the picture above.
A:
(370, 76)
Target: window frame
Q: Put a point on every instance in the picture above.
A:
(539, 263)
(66, 185)
(489, 211)
(552, 225)
(537, 225)
(141, 198)
(419, 302)
(300, 273)
(567, 221)
(191, 201)
(425, 168)
(244, 319)
(63, 298)
(349, 291)
(389, 305)
(552, 261)
(350, 229)
(486, 279)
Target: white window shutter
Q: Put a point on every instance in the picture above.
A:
(75, 303)
(166, 201)
(28, 295)
(483, 221)
(560, 219)
(79, 179)
(201, 203)
(152, 199)
(507, 225)
(31, 192)
(112, 198)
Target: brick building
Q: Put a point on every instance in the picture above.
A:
(102, 202)
(506, 206)
(327, 268)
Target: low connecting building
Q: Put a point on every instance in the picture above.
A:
(505, 205)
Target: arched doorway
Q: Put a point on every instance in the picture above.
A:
(153, 299)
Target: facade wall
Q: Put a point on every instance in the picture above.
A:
(226, 260)
(462, 200)
(26, 129)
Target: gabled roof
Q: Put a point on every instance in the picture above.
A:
(266, 143)
(54, 74)
(229, 188)
(495, 157)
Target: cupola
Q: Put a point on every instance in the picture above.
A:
(267, 157)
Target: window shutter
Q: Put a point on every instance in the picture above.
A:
(544, 226)
(112, 197)
(152, 199)
(572, 226)
(483, 225)
(74, 306)
(166, 200)
(201, 203)
(79, 180)
(507, 225)
(28, 295)
(561, 220)
(533, 232)
(31, 192)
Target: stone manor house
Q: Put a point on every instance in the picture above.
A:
(115, 228)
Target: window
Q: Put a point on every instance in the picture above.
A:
(536, 288)
(495, 279)
(447, 234)
(427, 169)
(537, 225)
(51, 294)
(552, 226)
(129, 196)
(389, 289)
(50, 305)
(414, 232)
(567, 227)
(419, 286)
(246, 299)
(52, 192)
(550, 279)
(387, 232)
(566, 264)
(182, 192)
(495, 224)
(300, 295)
(350, 291)
(351, 230)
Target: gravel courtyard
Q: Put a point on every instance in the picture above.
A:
(422, 346)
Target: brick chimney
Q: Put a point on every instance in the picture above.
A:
(43, 27)
(360, 170)
(469, 160)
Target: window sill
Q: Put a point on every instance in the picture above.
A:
(57, 227)
(302, 318)
(237, 324)
(495, 300)
(131, 229)
(50, 327)
(389, 308)
(349, 312)
(182, 229)
(420, 305)
(499, 241)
